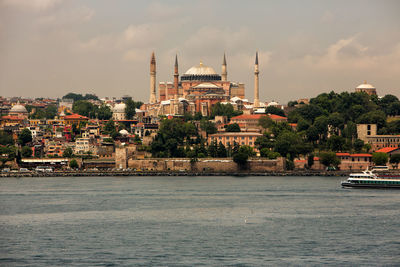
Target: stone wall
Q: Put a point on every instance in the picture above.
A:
(204, 165)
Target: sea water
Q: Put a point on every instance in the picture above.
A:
(196, 221)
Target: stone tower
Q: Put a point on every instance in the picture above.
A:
(224, 74)
(176, 76)
(153, 79)
(256, 88)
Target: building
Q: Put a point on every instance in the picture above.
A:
(19, 111)
(197, 90)
(119, 112)
(368, 133)
(75, 119)
(366, 88)
(229, 139)
(250, 121)
(82, 145)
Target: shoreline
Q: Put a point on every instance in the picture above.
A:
(148, 173)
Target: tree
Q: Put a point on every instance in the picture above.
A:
(9, 152)
(240, 159)
(26, 152)
(224, 110)
(358, 145)
(104, 113)
(274, 110)
(208, 127)
(221, 151)
(130, 109)
(73, 164)
(77, 97)
(6, 138)
(395, 160)
(25, 136)
(85, 108)
(233, 128)
(289, 143)
(68, 153)
(336, 143)
(310, 160)
(266, 122)
(380, 158)
(329, 159)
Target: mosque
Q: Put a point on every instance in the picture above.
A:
(197, 90)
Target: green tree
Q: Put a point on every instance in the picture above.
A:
(240, 159)
(104, 113)
(6, 138)
(208, 127)
(224, 110)
(25, 136)
(274, 110)
(8, 153)
(234, 127)
(85, 108)
(26, 152)
(131, 107)
(329, 159)
(73, 164)
(310, 160)
(221, 150)
(265, 122)
(68, 153)
(380, 158)
(358, 145)
(289, 143)
(395, 160)
(336, 143)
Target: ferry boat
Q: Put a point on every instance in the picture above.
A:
(367, 179)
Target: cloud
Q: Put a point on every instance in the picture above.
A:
(36, 5)
(129, 40)
(64, 17)
(161, 11)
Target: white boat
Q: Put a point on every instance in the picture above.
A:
(367, 179)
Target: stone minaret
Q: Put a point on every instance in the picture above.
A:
(153, 79)
(224, 74)
(176, 76)
(256, 89)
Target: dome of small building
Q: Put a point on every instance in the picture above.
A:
(119, 108)
(200, 70)
(365, 85)
(273, 104)
(18, 108)
(123, 132)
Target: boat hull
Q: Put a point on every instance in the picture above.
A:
(381, 186)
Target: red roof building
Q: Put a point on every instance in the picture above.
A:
(389, 150)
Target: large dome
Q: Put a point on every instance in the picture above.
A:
(18, 109)
(365, 85)
(119, 108)
(200, 70)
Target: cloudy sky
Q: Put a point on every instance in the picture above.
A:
(52, 47)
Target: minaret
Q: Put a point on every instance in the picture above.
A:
(224, 74)
(153, 79)
(256, 89)
(176, 76)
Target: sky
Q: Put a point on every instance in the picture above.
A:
(49, 48)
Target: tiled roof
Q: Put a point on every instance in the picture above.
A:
(342, 154)
(12, 118)
(387, 149)
(256, 117)
(361, 155)
(75, 116)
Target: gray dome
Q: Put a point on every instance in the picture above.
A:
(18, 108)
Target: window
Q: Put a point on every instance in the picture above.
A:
(242, 137)
(242, 143)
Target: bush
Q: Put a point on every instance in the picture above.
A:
(73, 164)
(26, 152)
(380, 158)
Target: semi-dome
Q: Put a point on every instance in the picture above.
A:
(365, 85)
(119, 108)
(18, 108)
(200, 70)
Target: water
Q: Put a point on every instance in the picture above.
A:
(202, 221)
